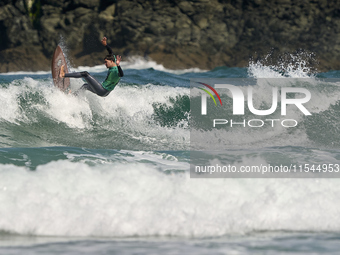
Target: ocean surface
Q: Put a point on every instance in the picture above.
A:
(90, 175)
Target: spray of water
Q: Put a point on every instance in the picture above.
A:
(298, 65)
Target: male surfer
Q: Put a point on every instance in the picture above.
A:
(114, 74)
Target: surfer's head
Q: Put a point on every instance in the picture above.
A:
(109, 61)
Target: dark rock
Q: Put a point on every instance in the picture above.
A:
(87, 3)
(81, 11)
(5, 2)
(31, 58)
(20, 5)
(175, 33)
(108, 14)
(55, 3)
(50, 10)
(105, 3)
(187, 7)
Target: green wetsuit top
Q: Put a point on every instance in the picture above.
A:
(113, 75)
(112, 78)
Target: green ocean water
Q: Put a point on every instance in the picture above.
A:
(110, 175)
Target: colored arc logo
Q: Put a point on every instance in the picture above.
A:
(208, 92)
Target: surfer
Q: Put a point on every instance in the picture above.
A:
(114, 74)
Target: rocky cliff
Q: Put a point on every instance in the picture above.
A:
(176, 33)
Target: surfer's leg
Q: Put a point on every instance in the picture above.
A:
(87, 87)
(62, 72)
(94, 86)
(73, 75)
(84, 87)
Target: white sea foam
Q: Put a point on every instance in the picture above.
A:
(133, 108)
(258, 70)
(26, 73)
(9, 109)
(295, 66)
(128, 110)
(124, 199)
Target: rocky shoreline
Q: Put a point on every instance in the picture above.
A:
(175, 33)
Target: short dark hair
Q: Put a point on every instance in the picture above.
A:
(109, 57)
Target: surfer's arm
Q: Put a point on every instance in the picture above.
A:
(120, 71)
(108, 48)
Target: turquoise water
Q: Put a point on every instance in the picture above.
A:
(91, 175)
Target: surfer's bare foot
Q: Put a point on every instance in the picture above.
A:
(62, 72)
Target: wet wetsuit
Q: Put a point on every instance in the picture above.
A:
(113, 76)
